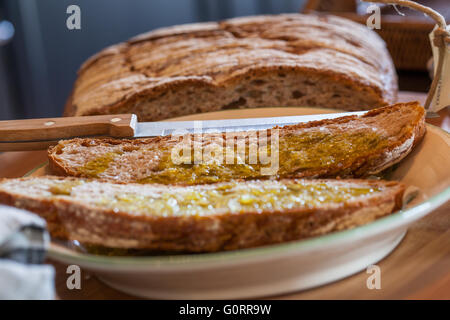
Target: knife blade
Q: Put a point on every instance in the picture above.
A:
(150, 129)
(38, 134)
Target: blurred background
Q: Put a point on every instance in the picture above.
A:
(39, 55)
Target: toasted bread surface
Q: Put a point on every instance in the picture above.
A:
(261, 61)
(343, 147)
(200, 218)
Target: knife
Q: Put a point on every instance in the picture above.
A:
(39, 134)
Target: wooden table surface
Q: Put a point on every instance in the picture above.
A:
(418, 269)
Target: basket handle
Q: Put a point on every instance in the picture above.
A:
(441, 40)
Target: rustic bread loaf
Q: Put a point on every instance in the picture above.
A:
(200, 218)
(261, 61)
(349, 146)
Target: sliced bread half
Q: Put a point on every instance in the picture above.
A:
(246, 62)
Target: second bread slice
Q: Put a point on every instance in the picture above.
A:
(349, 146)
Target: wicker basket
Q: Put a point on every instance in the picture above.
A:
(406, 36)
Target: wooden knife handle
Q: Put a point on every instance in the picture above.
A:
(35, 134)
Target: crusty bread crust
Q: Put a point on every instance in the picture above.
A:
(71, 219)
(279, 60)
(403, 125)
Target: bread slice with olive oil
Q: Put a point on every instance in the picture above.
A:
(348, 147)
(201, 218)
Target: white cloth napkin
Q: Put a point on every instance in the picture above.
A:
(23, 243)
